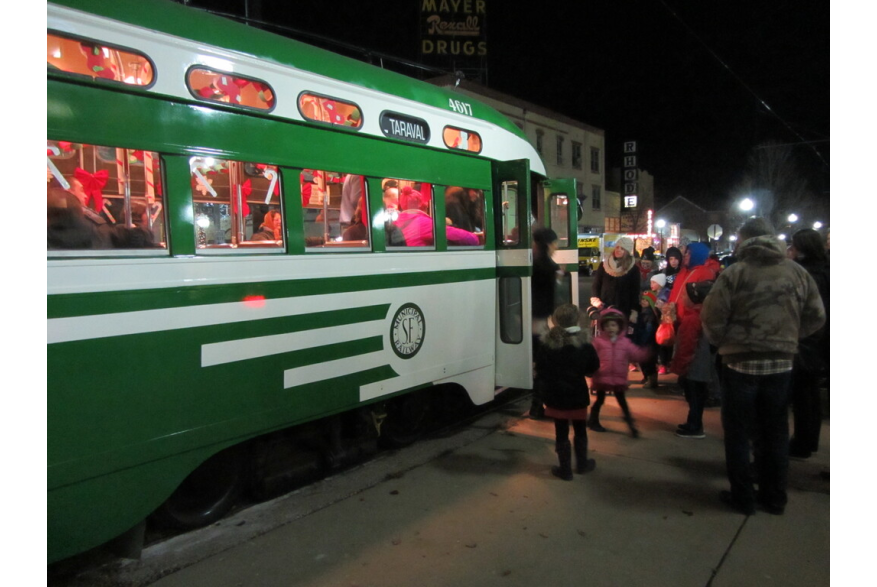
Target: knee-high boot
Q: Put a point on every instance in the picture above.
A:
(564, 457)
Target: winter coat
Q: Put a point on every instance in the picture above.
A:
(561, 367)
(699, 268)
(417, 228)
(543, 285)
(814, 350)
(689, 332)
(615, 357)
(617, 288)
(762, 305)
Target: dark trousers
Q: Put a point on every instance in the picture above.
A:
(756, 407)
(807, 410)
(696, 394)
(650, 367)
(561, 434)
(619, 396)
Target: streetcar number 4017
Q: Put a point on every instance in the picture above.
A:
(461, 107)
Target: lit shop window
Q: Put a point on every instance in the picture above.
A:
(226, 88)
(97, 60)
(329, 110)
(464, 216)
(236, 206)
(104, 198)
(334, 210)
(464, 140)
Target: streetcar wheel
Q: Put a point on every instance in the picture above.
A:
(406, 419)
(207, 494)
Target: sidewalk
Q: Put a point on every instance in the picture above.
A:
(490, 513)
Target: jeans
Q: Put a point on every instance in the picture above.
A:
(756, 408)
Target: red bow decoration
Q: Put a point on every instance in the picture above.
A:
(92, 184)
(246, 190)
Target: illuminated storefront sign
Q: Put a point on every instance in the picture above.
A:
(452, 29)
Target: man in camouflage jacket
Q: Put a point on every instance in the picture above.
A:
(755, 314)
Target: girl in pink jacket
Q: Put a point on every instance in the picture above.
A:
(616, 352)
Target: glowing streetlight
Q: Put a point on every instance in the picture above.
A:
(747, 205)
(660, 223)
(793, 217)
(781, 236)
(817, 225)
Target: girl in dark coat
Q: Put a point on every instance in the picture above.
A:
(563, 360)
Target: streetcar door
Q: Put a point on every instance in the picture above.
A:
(560, 212)
(514, 266)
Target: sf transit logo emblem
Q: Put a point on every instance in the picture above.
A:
(407, 331)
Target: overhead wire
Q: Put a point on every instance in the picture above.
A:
(743, 83)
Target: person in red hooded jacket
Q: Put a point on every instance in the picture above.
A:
(692, 359)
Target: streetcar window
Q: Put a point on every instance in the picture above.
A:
(408, 214)
(509, 214)
(511, 304)
(329, 110)
(464, 140)
(559, 218)
(104, 198)
(226, 88)
(464, 216)
(97, 60)
(334, 210)
(236, 206)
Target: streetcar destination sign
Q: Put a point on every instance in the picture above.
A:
(404, 127)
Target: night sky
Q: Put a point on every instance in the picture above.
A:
(684, 78)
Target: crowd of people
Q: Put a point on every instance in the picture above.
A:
(754, 329)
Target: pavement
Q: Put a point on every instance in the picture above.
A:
(481, 508)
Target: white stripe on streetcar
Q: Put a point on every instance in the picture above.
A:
(322, 371)
(220, 353)
(145, 321)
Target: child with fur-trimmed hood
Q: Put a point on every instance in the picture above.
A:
(616, 352)
(562, 361)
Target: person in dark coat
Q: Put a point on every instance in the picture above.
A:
(617, 281)
(812, 361)
(674, 264)
(563, 361)
(543, 288)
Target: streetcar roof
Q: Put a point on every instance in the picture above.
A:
(196, 25)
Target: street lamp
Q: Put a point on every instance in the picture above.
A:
(793, 218)
(747, 205)
(660, 223)
(817, 225)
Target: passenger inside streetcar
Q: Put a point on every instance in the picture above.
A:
(415, 220)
